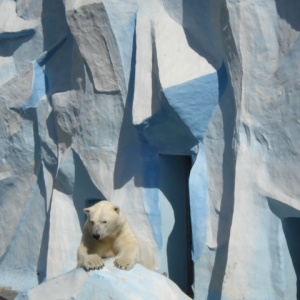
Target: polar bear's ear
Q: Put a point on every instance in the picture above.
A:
(87, 211)
(117, 209)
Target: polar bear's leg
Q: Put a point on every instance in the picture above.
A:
(128, 257)
(147, 258)
(93, 262)
(88, 261)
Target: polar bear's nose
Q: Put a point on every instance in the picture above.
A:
(96, 236)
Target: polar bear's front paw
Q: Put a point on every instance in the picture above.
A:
(93, 262)
(123, 264)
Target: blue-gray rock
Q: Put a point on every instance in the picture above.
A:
(184, 113)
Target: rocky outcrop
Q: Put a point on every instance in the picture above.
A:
(113, 99)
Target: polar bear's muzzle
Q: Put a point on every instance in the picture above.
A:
(96, 236)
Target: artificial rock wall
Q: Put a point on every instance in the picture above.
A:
(95, 95)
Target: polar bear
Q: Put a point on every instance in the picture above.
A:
(107, 233)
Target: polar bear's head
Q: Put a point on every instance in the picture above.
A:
(104, 220)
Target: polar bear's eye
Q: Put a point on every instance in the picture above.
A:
(104, 222)
(92, 222)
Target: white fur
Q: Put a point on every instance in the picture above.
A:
(106, 233)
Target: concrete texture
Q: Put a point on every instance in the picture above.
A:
(98, 100)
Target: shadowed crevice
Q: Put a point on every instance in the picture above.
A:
(10, 43)
(290, 218)
(227, 105)
(124, 169)
(289, 10)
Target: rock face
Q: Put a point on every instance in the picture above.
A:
(109, 283)
(184, 113)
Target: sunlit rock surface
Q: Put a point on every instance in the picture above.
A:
(106, 99)
(108, 283)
